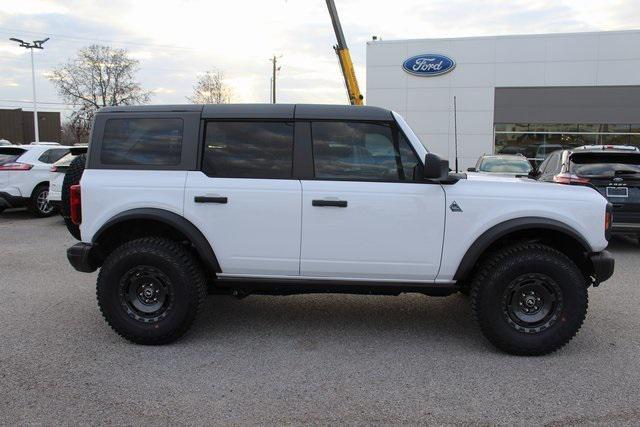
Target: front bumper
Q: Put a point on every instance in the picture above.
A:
(10, 201)
(603, 265)
(84, 257)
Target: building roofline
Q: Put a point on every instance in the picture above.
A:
(505, 36)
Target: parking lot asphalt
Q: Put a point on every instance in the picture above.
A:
(319, 359)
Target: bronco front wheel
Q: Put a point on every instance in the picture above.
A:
(150, 290)
(529, 299)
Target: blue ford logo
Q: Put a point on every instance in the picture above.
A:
(428, 65)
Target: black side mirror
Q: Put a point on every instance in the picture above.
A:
(435, 167)
(471, 169)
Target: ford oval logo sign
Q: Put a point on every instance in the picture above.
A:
(428, 65)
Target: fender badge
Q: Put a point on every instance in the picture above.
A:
(455, 207)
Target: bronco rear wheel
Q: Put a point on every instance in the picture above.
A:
(150, 290)
(529, 299)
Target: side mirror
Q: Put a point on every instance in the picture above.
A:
(435, 167)
(471, 169)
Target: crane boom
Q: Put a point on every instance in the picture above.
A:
(344, 57)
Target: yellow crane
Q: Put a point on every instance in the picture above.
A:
(346, 65)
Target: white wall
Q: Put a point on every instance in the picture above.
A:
(484, 63)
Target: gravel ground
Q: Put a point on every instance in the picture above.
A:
(325, 359)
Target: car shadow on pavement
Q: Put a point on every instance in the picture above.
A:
(624, 243)
(16, 214)
(392, 320)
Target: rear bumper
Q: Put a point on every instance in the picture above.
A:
(625, 227)
(603, 265)
(10, 201)
(83, 257)
(54, 196)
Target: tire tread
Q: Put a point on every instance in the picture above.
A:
(183, 258)
(490, 265)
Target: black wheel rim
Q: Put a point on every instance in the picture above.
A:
(532, 303)
(146, 294)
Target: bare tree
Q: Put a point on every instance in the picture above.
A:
(99, 76)
(211, 89)
(76, 130)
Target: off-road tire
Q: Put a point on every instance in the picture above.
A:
(35, 205)
(496, 277)
(179, 269)
(71, 177)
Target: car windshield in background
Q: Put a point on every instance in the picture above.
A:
(10, 154)
(503, 165)
(605, 164)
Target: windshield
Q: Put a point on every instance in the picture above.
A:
(604, 164)
(10, 154)
(505, 165)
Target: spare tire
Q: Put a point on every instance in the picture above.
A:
(72, 177)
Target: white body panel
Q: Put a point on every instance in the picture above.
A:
(55, 187)
(387, 230)
(487, 200)
(257, 231)
(106, 193)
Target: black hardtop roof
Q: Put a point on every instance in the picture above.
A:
(264, 111)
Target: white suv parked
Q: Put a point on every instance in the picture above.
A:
(284, 199)
(58, 170)
(25, 174)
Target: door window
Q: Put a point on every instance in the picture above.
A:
(362, 152)
(248, 150)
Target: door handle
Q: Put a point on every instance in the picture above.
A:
(335, 203)
(210, 199)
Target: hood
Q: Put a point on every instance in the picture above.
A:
(497, 177)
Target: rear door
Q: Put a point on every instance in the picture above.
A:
(244, 198)
(365, 213)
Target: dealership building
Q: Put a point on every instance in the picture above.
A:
(528, 94)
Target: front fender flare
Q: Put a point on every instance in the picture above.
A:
(502, 229)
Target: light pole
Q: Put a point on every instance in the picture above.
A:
(36, 44)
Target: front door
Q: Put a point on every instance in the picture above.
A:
(245, 200)
(366, 215)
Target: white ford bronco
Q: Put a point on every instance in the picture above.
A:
(180, 201)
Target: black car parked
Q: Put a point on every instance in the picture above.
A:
(613, 170)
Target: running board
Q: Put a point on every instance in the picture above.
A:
(245, 285)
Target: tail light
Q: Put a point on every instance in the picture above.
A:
(608, 221)
(569, 178)
(75, 204)
(15, 167)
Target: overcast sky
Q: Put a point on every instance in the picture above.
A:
(177, 39)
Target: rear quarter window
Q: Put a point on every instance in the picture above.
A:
(143, 142)
(53, 155)
(10, 154)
